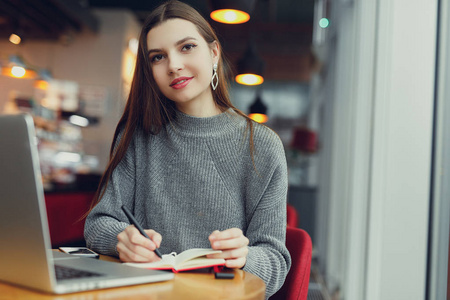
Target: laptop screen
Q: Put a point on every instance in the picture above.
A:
(24, 236)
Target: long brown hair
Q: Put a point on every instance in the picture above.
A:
(146, 108)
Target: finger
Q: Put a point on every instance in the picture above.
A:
(236, 263)
(226, 234)
(229, 254)
(136, 238)
(131, 252)
(136, 254)
(132, 248)
(239, 242)
(213, 236)
(140, 244)
(154, 236)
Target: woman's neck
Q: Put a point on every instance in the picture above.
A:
(200, 110)
(202, 106)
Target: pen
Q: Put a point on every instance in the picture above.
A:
(138, 226)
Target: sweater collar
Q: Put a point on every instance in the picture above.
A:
(206, 126)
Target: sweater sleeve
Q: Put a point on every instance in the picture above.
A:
(107, 220)
(268, 256)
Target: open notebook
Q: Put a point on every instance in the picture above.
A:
(187, 260)
(26, 257)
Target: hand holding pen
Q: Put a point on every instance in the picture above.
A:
(136, 244)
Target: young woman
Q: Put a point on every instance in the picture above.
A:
(193, 169)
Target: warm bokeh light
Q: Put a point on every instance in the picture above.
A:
(249, 79)
(133, 45)
(230, 16)
(18, 72)
(15, 39)
(41, 84)
(260, 118)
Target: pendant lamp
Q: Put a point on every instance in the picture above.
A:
(231, 11)
(258, 110)
(250, 68)
(15, 39)
(17, 34)
(18, 69)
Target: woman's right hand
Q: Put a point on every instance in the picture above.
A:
(134, 247)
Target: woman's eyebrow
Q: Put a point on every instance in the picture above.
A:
(184, 40)
(176, 44)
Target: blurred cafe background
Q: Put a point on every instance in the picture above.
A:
(354, 88)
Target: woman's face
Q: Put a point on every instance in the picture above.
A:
(182, 63)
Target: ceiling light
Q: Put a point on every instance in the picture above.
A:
(17, 34)
(17, 69)
(260, 118)
(249, 79)
(250, 68)
(19, 72)
(258, 110)
(230, 16)
(15, 39)
(231, 11)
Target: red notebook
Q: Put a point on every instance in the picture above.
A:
(187, 260)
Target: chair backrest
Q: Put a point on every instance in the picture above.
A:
(296, 284)
(292, 216)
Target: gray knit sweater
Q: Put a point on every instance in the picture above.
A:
(197, 176)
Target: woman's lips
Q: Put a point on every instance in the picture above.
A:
(180, 82)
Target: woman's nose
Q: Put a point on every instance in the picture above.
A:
(175, 64)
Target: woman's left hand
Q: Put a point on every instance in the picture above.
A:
(233, 244)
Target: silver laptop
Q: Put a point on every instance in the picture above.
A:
(26, 257)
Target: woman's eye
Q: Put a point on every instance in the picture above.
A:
(188, 47)
(156, 58)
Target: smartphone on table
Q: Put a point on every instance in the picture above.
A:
(80, 251)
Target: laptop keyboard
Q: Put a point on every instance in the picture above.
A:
(69, 273)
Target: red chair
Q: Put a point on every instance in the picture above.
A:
(292, 216)
(296, 284)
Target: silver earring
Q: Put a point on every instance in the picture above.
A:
(215, 78)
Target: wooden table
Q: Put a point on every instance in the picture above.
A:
(187, 285)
